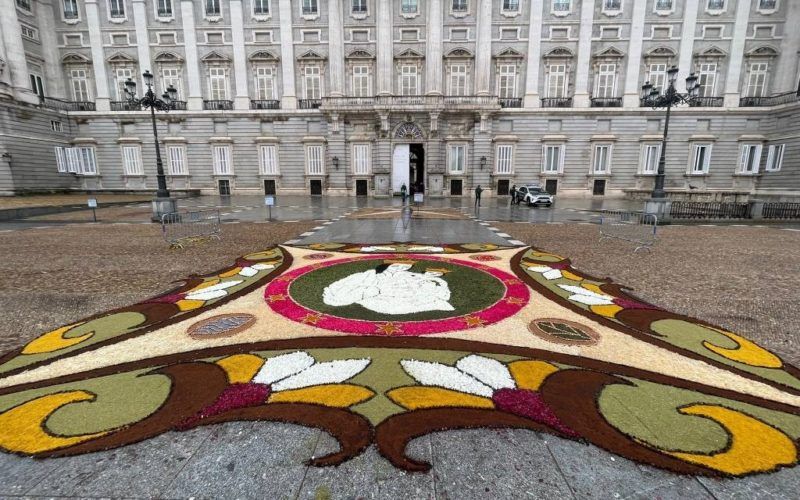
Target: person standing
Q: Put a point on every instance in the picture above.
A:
(403, 190)
(513, 194)
(478, 191)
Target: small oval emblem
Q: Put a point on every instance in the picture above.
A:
(223, 325)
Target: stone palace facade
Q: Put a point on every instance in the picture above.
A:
(361, 96)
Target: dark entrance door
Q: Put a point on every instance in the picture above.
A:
(416, 167)
(361, 187)
(599, 187)
(315, 185)
(269, 186)
(224, 187)
(456, 187)
(502, 187)
(551, 186)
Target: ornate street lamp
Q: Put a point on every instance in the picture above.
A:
(163, 204)
(654, 98)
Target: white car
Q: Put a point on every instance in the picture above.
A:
(534, 195)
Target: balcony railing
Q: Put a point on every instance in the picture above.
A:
(310, 103)
(606, 102)
(218, 105)
(178, 105)
(510, 102)
(62, 105)
(470, 100)
(707, 102)
(265, 104)
(426, 102)
(557, 102)
(125, 106)
(773, 100)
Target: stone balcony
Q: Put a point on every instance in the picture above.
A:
(405, 103)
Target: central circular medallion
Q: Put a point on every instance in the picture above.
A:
(397, 295)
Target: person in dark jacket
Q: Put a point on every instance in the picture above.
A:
(513, 194)
(478, 191)
(403, 190)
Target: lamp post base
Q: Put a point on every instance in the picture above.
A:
(660, 207)
(163, 206)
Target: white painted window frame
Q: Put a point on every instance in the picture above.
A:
(694, 152)
(504, 165)
(775, 157)
(222, 159)
(132, 160)
(362, 153)
(645, 156)
(745, 154)
(176, 154)
(545, 158)
(268, 163)
(452, 149)
(609, 147)
(315, 159)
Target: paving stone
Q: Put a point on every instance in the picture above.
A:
(495, 464)
(368, 476)
(595, 473)
(20, 474)
(139, 470)
(247, 460)
(780, 485)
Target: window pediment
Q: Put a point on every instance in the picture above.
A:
(168, 57)
(408, 130)
(73, 58)
(121, 58)
(711, 52)
(559, 53)
(409, 54)
(609, 53)
(311, 55)
(360, 54)
(215, 57)
(263, 56)
(459, 52)
(509, 53)
(763, 51)
(661, 52)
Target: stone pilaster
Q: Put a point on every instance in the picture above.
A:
(581, 96)
(384, 37)
(102, 99)
(143, 42)
(54, 77)
(242, 98)
(289, 97)
(534, 55)
(194, 98)
(483, 56)
(687, 43)
(737, 54)
(5, 72)
(336, 48)
(630, 97)
(433, 49)
(786, 79)
(17, 65)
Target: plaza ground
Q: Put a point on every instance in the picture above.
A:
(741, 278)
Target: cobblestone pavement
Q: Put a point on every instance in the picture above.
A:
(65, 272)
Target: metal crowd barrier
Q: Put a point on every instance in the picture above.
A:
(179, 228)
(635, 227)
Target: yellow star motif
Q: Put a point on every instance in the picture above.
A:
(276, 298)
(515, 301)
(472, 321)
(311, 319)
(388, 329)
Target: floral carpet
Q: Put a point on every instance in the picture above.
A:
(379, 344)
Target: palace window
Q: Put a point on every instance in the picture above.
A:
(359, 7)
(24, 4)
(774, 158)
(657, 75)
(510, 5)
(664, 5)
(361, 159)
(715, 5)
(314, 162)
(71, 9)
(172, 76)
(602, 159)
(80, 85)
(707, 79)
(504, 163)
(612, 5)
(767, 4)
(164, 8)
(557, 80)
(132, 160)
(650, 156)
(458, 79)
(409, 6)
(213, 8)
(121, 75)
(265, 83)
(408, 80)
(310, 8)
(757, 79)
(562, 5)
(459, 5)
(222, 160)
(29, 32)
(606, 85)
(750, 159)
(261, 7)
(177, 160)
(553, 155)
(700, 159)
(313, 82)
(268, 157)
(56, 126)
(116, 8)
(78, 160)
(507, 81)
(457, 158)
(361, 83)
(218, 84)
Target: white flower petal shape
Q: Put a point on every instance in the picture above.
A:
(262, 267)
(331, 372)
(248, 272)
(546, 271)
(377, 249)
(282, 366)
(489, 371)
(587, 297)
(437, 374)
(206, 294)
(426, 249)
(539, 269)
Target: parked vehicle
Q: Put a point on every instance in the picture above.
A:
(534, 195)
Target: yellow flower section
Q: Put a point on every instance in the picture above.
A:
(22, 428)
(54, 341)
(241, 368)
(530, 374)
(753, 447)
(335, 395)
(232, 272)
(747, 352)
(417, 397)
(608, 311)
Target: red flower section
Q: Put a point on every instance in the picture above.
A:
(631, 304)
(235, 396)
(529, 404)
(318, 256)
(484, 258)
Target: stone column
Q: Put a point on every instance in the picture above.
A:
(102, 99)
(534, 55)
(433, 49)
(143, 43)
(483, 44)
(737, 54)
(630, 97)
(54, 77)
(5, 72)
(336, 48)
(17, 65)
(242, 98)
(581, 97)
(194, 97)
(687, 43)
(787, 67)
(289, 98)
(384, 36)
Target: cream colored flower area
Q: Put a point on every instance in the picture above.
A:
(613, 346)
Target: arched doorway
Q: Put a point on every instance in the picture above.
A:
(408, 158)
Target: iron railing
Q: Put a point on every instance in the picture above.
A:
(556, 102)
(709, 210)
(773, 100)
(510, 102)
(218, 105)
(635, 227)
(606, 102)
(310, 103)
(781, 210)
(265, 104)
(178, 105)
(706, 102)
(125, 106)
(62, 105)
